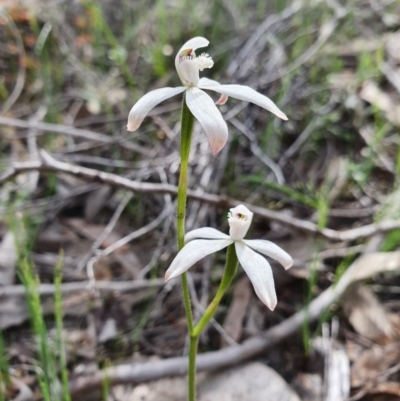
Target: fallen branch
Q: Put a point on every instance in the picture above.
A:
(363, 268)
(49, 164)
(103, 287)
(75, 132)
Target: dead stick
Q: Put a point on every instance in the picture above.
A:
(101, 286)
(75, 132)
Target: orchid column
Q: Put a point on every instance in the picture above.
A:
(197, 104)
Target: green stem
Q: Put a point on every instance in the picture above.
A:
(194, 340)
(187, 303)
(187, 121)
(231, 258)
(229, 274)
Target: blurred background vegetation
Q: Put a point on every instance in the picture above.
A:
(332, 66)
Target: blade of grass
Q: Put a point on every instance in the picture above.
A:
(311, 283)
(48, 380)
(283, 189)
(118, 52)
(59, 328)
(5, 381)
(323, 212)
(106, 384)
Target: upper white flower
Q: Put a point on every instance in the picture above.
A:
(204, 241)
(188, 66)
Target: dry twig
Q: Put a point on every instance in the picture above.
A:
(104, 287)
(76, 132)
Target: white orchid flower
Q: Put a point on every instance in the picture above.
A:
(200, 104)
(204, 241)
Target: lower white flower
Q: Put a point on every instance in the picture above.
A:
(188, 65)
(205, 241)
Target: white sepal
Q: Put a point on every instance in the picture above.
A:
(260, 274)
(205, 233)
(248, 95)
(205, 82)
(147, 102)
(271, 250)
(194, 44)
(192, 252)
(203, 108)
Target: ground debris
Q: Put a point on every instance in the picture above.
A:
(367, 315)
(250, 382)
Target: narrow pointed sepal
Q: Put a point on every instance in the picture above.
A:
(271, 250)
(205, 233)
(260, 274)
(204, 82)
(147, 102)
(207, 82)
(206, 112)
(192, 253)
(246, 94)
(194, 44)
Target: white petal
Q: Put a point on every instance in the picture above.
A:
(259, 272)
(207, 82)
(192, 253)
(205, 233)
(204, 109)
(248, 95)
(272, 250)
(150, 100)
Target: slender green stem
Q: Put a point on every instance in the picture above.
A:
(187, 303)
(194, 341)
(231, 259)
(187, 121)
(5, 381)
(229, 274)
